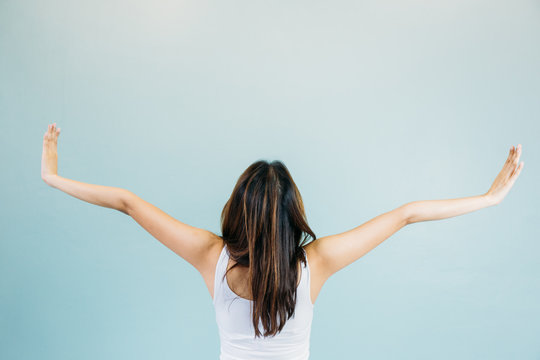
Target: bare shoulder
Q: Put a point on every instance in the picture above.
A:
(208, 268)
(331, 253)
(317, 270)
(315, 257)
(214, 250)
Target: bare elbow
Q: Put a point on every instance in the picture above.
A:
(407, 214)
(125, 201)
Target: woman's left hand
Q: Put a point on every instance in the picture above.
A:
(49, 156)
(507, 177)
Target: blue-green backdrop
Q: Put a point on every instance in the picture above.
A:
(370, 104)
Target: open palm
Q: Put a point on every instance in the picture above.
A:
(508, 175)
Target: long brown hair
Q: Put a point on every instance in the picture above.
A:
(262, 225)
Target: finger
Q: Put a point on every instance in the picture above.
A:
(515, 174)
(520, 168)
(509, 158)
(517, 153)
(514, 151)
(517, 170)
(510, 154)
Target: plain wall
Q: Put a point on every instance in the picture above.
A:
(370, 104)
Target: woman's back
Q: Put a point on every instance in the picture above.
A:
(236, 328)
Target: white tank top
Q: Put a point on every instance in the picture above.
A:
(236, 332)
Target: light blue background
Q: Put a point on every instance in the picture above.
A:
(370, 105)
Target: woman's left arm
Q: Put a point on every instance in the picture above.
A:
(106, 196)
(191, 243)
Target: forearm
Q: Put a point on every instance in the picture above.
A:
(106, 196)
(426, 210)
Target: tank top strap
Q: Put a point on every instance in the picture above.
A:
(221, 267)
(305, 281)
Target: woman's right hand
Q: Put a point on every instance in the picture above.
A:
(507, 177)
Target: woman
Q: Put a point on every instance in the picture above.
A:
(261, 274)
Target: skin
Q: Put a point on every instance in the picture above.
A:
(326, 255)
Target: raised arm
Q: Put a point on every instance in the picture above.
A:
(334, 252)
(106, 196)
(189, 242)
(427, 210)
